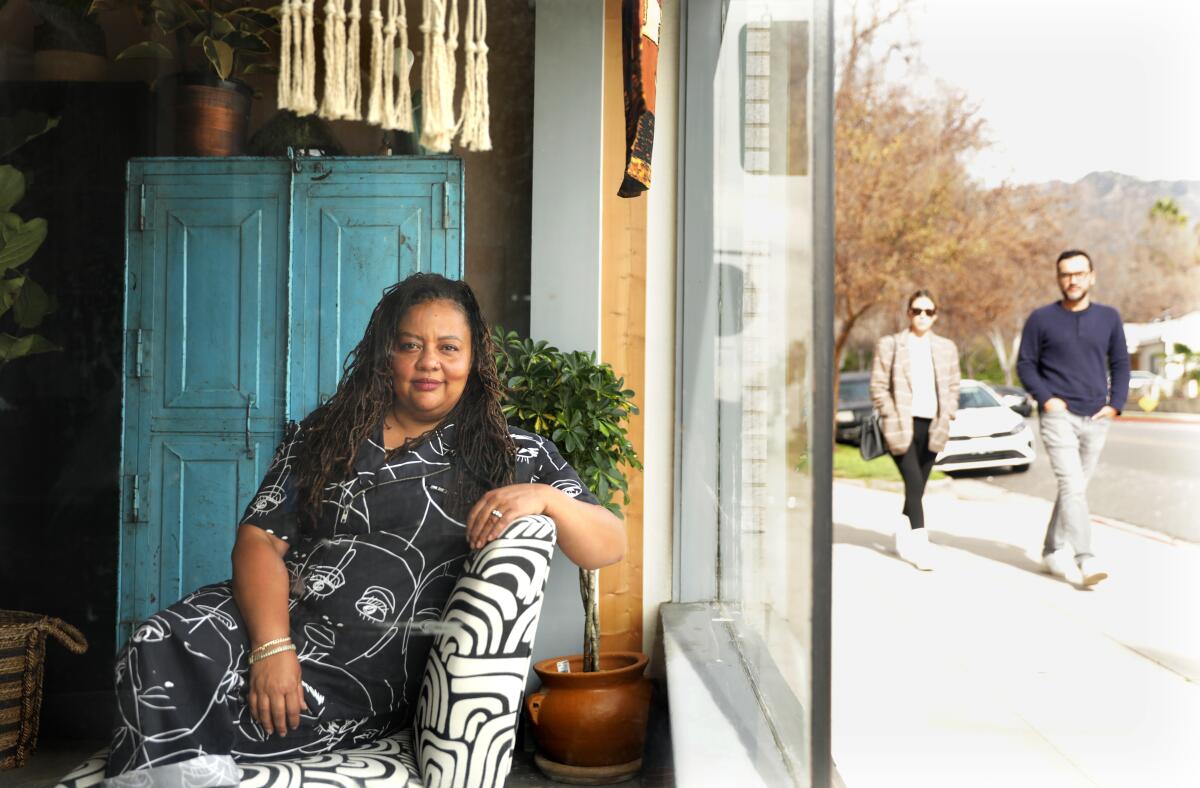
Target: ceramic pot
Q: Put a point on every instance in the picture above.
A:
(592, 720)
(212, 117)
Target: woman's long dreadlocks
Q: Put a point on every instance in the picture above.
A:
(334, 432)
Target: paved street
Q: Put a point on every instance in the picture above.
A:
(1149, 475)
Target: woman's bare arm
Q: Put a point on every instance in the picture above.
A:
(260, 583)
(260, 587)
(590, 535)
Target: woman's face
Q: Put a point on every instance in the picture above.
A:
(922, 314)
(431, 361)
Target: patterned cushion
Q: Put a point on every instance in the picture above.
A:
(471, 694)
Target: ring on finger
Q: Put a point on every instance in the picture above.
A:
(497, 514)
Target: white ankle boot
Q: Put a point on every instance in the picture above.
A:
(912, 544)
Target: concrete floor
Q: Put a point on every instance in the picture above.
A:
(54, 758)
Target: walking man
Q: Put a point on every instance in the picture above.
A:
(1074, 361)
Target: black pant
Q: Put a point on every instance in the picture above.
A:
(915, 466)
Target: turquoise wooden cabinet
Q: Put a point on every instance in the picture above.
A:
(247, 282)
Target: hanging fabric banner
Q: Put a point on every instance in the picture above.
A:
(641, 25)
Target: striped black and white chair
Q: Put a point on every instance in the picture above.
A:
(467, 714)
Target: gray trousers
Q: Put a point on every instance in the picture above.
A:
(1073, 445)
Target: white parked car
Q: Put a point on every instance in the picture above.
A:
(986, 433)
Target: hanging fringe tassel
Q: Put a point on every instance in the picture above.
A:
(476, 116)
(390, 30)
(334, 100)
(297, 67)
(402, 117)
(451, 69)
(283, 83)
(375, 99)
(305, 100)
(437, 125)
(352, 105)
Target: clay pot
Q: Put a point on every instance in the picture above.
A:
(212, 117)
(591, 721)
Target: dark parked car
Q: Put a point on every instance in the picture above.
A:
(1016, 398)
(854, 404)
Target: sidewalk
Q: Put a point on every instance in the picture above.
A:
(987, 672)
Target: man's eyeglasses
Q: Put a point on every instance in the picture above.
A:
(1067, 276)
(914, 311)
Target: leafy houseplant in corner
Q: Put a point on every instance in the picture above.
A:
(23, 303)
(589, 719)
(216, 44)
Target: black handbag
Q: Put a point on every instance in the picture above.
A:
(870, 437)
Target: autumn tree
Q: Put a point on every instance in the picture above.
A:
(903, 198)
(1006, 274)
(909, 214)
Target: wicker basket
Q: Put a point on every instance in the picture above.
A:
(22, 656)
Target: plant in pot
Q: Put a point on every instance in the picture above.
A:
(68, 44)
(23, 303)
(589, 719)
(217, 43)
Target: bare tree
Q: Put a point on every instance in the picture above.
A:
(902, 193)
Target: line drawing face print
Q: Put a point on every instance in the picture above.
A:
(568, 486)
(323, 580)
(376, 604)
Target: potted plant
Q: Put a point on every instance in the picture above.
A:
(589, 719)
(217, 43)
(68, 44)
(23, 303)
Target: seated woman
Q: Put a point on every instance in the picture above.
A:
(354, 540)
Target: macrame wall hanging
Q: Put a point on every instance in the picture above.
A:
(389, 96)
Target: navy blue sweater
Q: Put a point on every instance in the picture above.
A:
(1079, 357)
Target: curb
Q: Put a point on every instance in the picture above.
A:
(1162, 418)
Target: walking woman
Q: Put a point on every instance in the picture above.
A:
(914, 385)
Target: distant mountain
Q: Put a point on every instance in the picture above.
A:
(1107, 210)
(1106, 214)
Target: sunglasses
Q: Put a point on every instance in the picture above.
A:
(914, 311)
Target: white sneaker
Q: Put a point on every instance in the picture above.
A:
(913, 546)
(1091, 572)
(1060, 565)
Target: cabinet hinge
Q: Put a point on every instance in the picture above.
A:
(141, 342)
(446, 206)
(138, 489)
(141, 217)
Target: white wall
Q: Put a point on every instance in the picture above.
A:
(565, 269)
(568, 74)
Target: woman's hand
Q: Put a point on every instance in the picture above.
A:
(276, 695)
(512, 502)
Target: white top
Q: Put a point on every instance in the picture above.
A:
(920, 372)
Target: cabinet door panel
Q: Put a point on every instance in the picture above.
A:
(206, 305)
(363, 226)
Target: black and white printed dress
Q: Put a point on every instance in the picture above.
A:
(364, 587)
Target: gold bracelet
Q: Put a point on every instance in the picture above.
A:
(269, 643)
(259, 657)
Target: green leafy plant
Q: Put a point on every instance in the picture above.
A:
(232, 37)
(23, 302)
(581, 405)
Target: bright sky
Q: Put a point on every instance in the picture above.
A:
(1072, 86)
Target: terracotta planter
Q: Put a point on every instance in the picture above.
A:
(591, 727)
(211, 118)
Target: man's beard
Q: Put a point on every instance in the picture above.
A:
(1083, 291)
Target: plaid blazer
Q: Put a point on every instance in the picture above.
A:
(891, 390)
